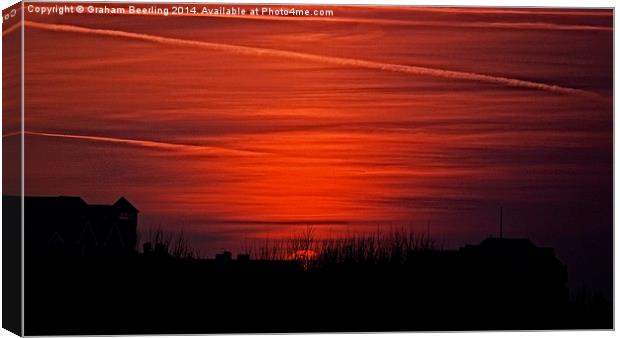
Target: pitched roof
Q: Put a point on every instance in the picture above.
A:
(124, 204)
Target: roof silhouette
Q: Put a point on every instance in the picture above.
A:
(71, 224)
(123, 203)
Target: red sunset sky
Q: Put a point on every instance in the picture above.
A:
(388, 116)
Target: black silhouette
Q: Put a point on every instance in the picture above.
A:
(71, 226)
(80, 286)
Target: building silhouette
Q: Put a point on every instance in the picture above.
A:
(69, 225)
(515, 271)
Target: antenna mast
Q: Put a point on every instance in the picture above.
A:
(501, 222)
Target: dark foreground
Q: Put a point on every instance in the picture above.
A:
(435, 290)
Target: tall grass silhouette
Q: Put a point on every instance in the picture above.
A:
(165, 244)
(395, 246)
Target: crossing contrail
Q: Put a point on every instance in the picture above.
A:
(397, 22)
(340, 61)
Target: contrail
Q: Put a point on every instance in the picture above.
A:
(15, 133)
(12, 28)
(200, 149)
(499, 10)
(391, 22)
(396, 22)
(419, 23)
(428, 23)
(523, 25)
(340, 61)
